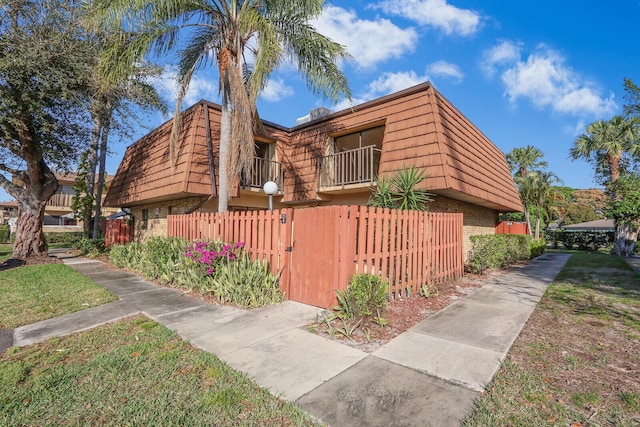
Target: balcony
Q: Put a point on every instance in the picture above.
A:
(60, 201)
(349, 170)
(263, 170)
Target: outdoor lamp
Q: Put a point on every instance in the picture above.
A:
(270, 188)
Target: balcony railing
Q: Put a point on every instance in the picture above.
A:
(357, 166)
(263, 170)
(60, 201)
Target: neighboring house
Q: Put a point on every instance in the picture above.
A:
(58, 214)
(331, 159)
(8, 210)
(597, 225)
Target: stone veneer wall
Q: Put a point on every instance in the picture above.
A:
(477, 219)
(157, 222)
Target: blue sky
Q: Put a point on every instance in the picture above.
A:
(524, 72)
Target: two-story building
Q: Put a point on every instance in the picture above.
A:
(329, 159)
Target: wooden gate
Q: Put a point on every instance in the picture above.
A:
(317, 237)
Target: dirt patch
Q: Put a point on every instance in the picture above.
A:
(401, 314)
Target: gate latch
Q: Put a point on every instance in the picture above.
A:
(288, 249)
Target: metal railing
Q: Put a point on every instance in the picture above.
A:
(263, 170)
(357, 166)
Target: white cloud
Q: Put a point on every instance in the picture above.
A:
(434, 13)
(505, 52)
(276, 90)
(547, 82)
(200, 87)
(368, 42)
(384, 85)
(446, 69)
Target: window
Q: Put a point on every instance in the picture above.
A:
(363, 138)
(145, 219)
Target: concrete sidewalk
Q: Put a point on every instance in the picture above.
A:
(428, 375)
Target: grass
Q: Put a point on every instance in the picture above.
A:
(33, 293)
(5, 251)
(133, 372)
(577, 358)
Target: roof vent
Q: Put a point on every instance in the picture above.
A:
(314, 114)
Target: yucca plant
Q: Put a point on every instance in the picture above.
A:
(401, 191)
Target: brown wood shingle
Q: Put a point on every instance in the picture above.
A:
(421, 128)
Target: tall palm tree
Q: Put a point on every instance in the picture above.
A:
(605, 144)
(541, 194)
(521, 160)
(248, 40)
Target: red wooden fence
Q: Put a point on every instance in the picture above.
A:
(266, 234)
(316, 250)
(510, 227)
(117, 232)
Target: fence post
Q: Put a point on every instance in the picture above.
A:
(284, 255)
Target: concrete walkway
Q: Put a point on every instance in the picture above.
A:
(429, 375)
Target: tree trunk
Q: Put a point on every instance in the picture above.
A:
(92, 161)
(625, 239)
(527, 218)
(225, 142)
(30, 239)
(537, 235)
(101, 170)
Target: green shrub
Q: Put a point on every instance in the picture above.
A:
(71, 238)
(501, 250)
(537, 247)
(365, 296)
(583, 240)
(244, 282)
(91, 247)
(4, 233)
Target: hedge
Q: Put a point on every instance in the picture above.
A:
(501, 250)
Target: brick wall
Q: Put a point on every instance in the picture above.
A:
(477, 219)
(156, 223)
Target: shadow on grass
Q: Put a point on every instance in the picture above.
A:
(600, 285)
(12, 263)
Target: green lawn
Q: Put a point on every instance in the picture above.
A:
(33, 293)
(5, 251)
(133, 372)
(578, 357)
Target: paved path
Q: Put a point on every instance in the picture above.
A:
(429, 375)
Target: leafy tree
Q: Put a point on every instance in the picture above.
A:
(632, 98)
(625, 210)
(43, 76)
(114, 104)
(612, 146)
(248, 39)
(401, 191)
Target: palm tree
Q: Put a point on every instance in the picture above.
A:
(541, 193)
(606, 143)
(248, 39)
(523, 159)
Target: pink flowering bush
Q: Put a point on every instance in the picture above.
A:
(207, 256)
(223, 269)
